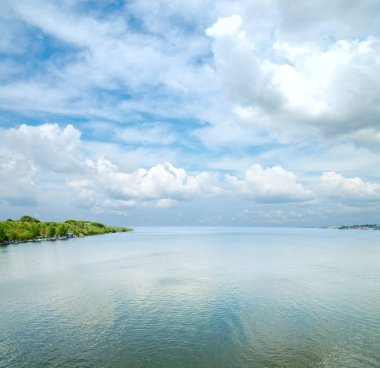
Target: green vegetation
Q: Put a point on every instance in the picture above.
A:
(27, 219)
(28, 228)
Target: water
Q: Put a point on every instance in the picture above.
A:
(193, 297)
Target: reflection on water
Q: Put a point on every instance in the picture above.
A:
(193, 297)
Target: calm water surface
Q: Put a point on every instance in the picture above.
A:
(193, 297)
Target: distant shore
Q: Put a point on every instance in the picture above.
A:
(29, 229)
(359, 227)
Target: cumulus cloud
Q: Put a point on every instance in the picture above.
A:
(241, 69)
(48, 145)
(294, 88)
(163, 184)
(18, 182)
(31, 155)
(334, 88)
(160, 186)
(272, 184)
(353, 189)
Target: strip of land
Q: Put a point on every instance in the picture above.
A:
(31, 229)
(359, 227)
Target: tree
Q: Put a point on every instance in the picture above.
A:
(28, 219)
(50, 232)
(34, 230)
(62, 230)
(12, 235)
(3, 236)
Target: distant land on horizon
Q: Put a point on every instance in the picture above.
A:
(359, 227)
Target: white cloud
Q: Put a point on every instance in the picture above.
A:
(353, 189)
(162, 186)
(159, 182)
(18, 181)
(226, 26)
(336, 87)
(48, 145)
(272, 184)
(241, 70)
(289, 89)
(31, 157)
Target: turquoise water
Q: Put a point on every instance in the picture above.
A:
(193, 297)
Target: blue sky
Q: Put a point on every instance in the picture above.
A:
(204, 113)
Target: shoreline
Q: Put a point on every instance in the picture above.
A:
(54, 238)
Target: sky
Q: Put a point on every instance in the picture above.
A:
(201, 113)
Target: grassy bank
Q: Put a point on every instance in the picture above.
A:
(30, 229)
